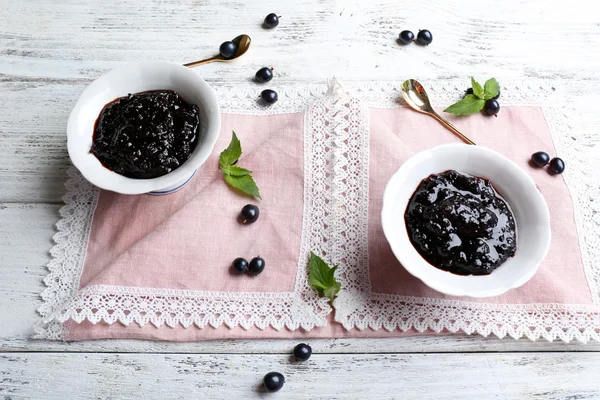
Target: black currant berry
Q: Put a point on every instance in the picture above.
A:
(271, 21)
(240, 264)
(273, 381)
(269, 96)
(256, 266)
(491, 107)
(406, 37)
(228, 49)
(541, 158)
(302, 352)
(264, 75)
(424, 37)
(250, 214)
(557, 165)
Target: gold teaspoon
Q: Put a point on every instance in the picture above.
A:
(242, 42)
(416, 97)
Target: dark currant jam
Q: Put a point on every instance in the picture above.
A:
(460, 224)
(146, 135)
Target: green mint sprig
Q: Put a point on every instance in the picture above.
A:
(237, 177)
(321, 277)
(473, 103)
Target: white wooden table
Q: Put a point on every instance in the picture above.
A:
(50, 50)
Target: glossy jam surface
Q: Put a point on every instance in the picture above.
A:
(460, 224)
(146, 135)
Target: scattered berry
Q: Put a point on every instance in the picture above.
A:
(492, 107)
(469, 91)
(271, 21)
(273, 381)
(240, 264)
(557, 165)
(302, 352)
(257, 265)
(264, 75)
(250, 214)
(424, 37)
(406, 37)
(540, 158)
(228, 49)
(269, 96)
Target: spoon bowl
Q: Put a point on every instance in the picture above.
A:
(243, 44)
(416, 97)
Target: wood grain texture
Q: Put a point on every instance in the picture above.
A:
(25, 232)
(371, 376)
(50, 51)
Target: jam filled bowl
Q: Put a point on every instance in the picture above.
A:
(147, 76)
(524, 214)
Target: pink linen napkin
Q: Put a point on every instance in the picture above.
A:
(187, 240)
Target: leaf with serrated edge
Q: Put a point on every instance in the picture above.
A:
(477, 89)
(235, 170)
(467, 106)
(491, 88)
(245, 183)
(322, 277)
(231, 153)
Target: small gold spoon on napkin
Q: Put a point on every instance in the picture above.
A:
(416, 97)
(242, 42)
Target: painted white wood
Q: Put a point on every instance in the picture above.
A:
(49, 52)
(25, 232)
(47, 40)
(339, 376)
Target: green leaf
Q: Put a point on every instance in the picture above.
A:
(470, 104)
(322, 277)
(231, 153)
(332, 291)
(245, 183)
(491, 89)
(237, 177)
(477, 89)
(235, 171)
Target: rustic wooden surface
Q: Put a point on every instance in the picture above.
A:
(355, 376)
(49, 52)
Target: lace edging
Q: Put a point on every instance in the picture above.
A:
(62, 301)
(564, 322)
(357, 307)
(68, 253)
(172, 307)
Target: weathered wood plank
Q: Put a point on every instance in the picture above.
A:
(376, 376)
(25, 232)
(52, 50)
(79, 39)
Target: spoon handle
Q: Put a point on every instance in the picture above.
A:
(202, 62)
(452, 128)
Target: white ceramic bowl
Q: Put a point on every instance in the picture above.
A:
(133, 78)
(526, 202)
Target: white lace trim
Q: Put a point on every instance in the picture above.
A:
(358, 307)
(68, 254)
(63, 301)
(335, 221)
